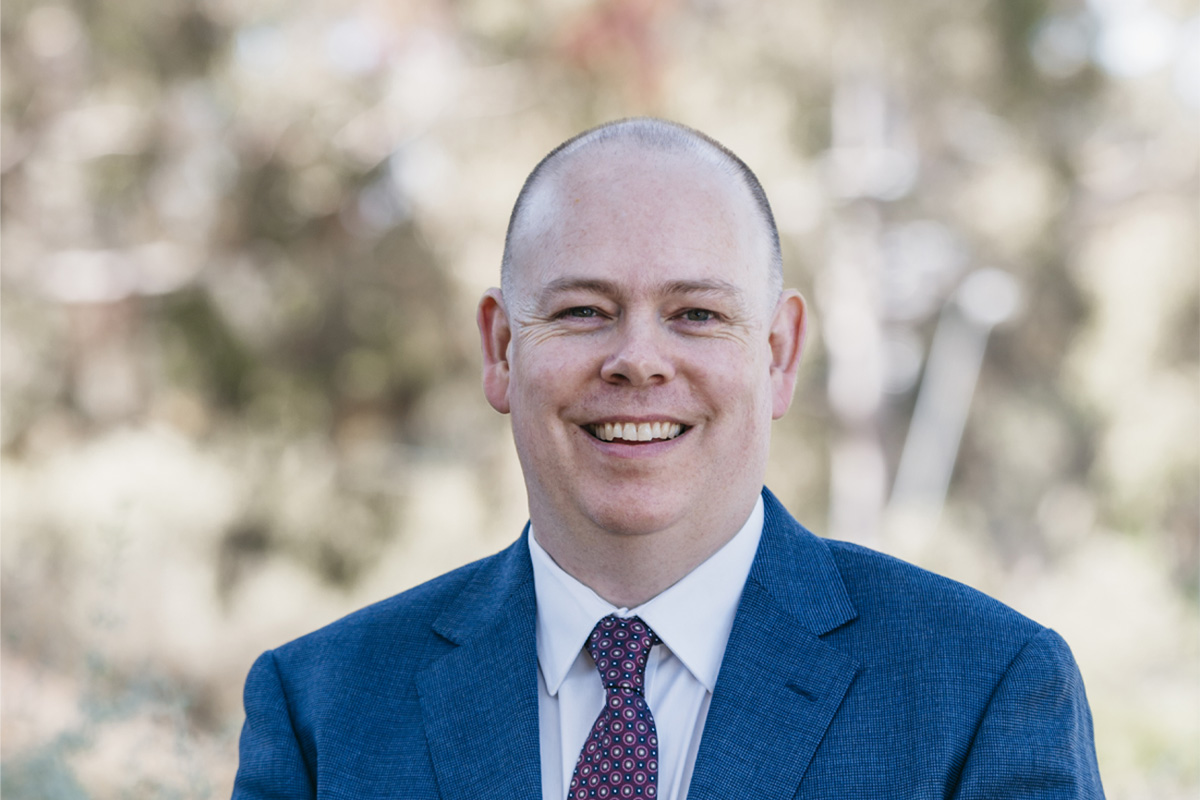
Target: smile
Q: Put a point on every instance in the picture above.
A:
(634, 431)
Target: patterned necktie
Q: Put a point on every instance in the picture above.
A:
(620, 757)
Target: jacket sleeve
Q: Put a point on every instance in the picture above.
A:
(1035, 739)
(271, 763)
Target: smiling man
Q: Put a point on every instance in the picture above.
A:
(663, 628)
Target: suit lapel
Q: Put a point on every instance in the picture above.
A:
(479, 702)
(780, 685)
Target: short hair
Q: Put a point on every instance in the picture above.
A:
(651, 134)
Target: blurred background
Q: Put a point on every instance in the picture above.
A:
(243, 241)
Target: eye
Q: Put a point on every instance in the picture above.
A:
(580, 312)
(698, 315)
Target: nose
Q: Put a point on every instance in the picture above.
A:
(640, 355)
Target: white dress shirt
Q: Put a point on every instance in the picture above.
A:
(693, 619)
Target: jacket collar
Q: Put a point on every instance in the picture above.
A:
(797, 570)
(780, 684)
(479, 702)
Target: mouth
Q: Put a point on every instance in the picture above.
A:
(635, 431)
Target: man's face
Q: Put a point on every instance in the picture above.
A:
(642, 355)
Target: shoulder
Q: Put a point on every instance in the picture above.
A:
(888, 587)
(941, 653)
(318, 702)
(852, 591)
(395, 636)
(919, 623)
(956, 684)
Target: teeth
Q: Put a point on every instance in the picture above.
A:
(636, 432)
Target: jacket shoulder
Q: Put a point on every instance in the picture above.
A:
(395, 635)
(884, 580)
(905, 610)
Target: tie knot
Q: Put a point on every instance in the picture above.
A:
(620, 647)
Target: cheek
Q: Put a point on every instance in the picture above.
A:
(565, 356)
(537, 371)
(736, 377)
(546, 377)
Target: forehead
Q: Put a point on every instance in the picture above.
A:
(641, 217)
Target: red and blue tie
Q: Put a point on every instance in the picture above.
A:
(620, 757)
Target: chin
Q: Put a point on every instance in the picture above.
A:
(639, 516)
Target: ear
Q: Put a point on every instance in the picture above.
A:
(788, 329)
(495, 335)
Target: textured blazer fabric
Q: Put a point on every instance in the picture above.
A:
(849, 675)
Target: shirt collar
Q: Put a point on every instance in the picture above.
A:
(693, 617)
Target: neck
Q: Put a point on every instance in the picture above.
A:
(629, 569)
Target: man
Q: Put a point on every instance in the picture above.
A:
(663, 628)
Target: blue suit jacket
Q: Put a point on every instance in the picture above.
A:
(848, 675)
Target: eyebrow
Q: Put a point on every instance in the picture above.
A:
(601, 286)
